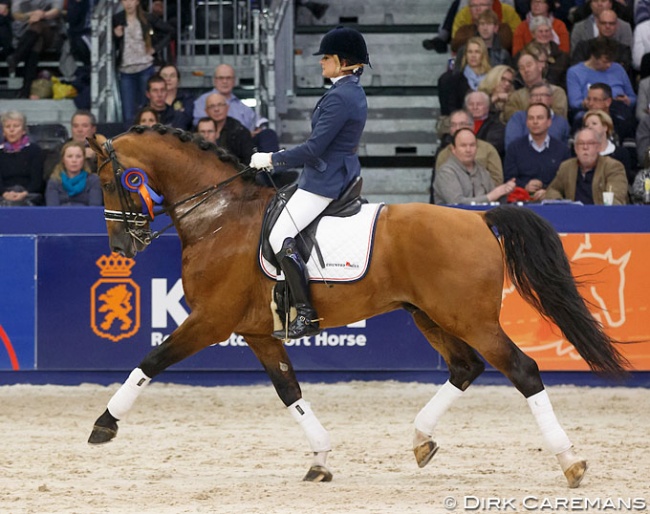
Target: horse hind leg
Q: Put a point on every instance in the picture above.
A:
(273, 356)
(464, 367)
(523, 372)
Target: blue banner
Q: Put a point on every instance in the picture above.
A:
(17, 302)
(98, 311)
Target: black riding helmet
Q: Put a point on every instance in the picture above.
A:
(345, 42)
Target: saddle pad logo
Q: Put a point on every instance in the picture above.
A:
(115, 299)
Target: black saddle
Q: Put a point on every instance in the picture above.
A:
(348, 204)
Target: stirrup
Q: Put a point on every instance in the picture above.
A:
(306, 323)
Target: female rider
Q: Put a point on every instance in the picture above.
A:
(330, 163)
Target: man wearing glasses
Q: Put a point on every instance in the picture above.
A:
(224, 80)
(585, 177)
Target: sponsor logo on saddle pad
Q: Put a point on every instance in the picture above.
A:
(115, 299)
(346, 246)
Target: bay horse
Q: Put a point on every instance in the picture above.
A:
(445, 266)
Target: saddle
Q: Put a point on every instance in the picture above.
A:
(348, 204)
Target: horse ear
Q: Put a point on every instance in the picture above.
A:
(96, 143)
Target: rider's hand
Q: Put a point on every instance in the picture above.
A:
(261, 161)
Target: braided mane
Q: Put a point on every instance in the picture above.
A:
(189, 137)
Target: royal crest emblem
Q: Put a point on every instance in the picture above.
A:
(115, 299)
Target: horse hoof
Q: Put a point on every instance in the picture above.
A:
(424, 452)
(575, 473)
(318, 474)
(104, 430)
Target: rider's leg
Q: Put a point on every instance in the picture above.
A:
(301, 209)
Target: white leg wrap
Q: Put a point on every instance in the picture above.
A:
(555, 438)
(122, 401)
(318, 437)
(428, 417)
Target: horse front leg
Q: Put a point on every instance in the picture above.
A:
(186, 340)
(273, 356)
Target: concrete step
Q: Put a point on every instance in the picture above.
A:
(43, 111)
(377, 12)
(394, 185)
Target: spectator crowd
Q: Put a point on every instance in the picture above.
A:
(542, 99)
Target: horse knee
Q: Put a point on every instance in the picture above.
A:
(462, 374)
(286, 386)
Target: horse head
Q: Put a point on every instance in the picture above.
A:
(194, 180)
(127, 198)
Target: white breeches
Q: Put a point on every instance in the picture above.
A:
(301, 209)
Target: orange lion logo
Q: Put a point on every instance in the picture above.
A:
(115, 299)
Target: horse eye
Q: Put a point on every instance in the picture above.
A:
(109, 187)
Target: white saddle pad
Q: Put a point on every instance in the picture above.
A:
(346, 245)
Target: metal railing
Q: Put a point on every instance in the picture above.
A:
(209, 32)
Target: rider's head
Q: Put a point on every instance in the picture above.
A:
(348, 45)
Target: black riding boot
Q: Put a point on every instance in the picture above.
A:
(295, 273)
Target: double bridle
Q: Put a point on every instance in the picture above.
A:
(135, 180)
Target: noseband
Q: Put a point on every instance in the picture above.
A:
(132, 180)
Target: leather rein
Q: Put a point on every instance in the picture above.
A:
(135, 180)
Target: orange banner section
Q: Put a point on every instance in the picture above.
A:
(614, 270)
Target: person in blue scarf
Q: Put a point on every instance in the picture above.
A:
(69, 183)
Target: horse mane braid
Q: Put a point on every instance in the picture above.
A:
(186, 136)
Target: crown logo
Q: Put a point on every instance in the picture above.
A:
(115, 265)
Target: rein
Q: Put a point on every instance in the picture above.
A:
(132, 180)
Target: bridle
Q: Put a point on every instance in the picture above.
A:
(135, 180)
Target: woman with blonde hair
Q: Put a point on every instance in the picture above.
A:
(69, 183)
(602, 125)
(498, 84)
(454, 85)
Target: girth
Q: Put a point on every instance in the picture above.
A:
(348, 204)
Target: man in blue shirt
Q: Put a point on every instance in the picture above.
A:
(533, 160)
(516, 126)
(224, 80)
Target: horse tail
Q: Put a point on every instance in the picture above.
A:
(539, 269)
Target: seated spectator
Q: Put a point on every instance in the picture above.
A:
(208, 129)
(641, 11)
(581, 10)
(585, 177)
(487, 29)
(607, 22)
(37, 27)
(468, 16)
(498, 84)
(600, 67)
(524, 32)
(544, 49)
(231, 134)
(643, 99)
(486, 154)
(588, 28)
(21, 162)
(462, 180)
(6, 36)
(599, 97)
(603, 128)
(461, 35)
(517, 124)
(531, 70)
(533, 160)
(643, 143)
(265, 139)
(70, 184)
(224, 81)
(84, 125)
(454, 85)
(147, 116)
(487, 125)
(178, 100)
(157, 94)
